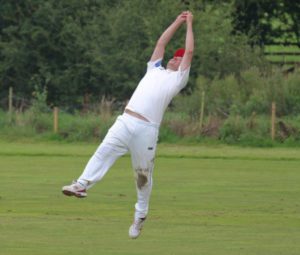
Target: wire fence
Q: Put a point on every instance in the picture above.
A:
(105, 108)
(13, 102)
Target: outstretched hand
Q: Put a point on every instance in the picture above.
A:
(189, 17)
(159, 50)
(182, 17)
(185, 16)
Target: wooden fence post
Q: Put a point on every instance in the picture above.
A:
(10, 103)
(273, 119)
(55, 120)
(202, 110)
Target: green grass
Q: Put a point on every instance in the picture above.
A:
(206, 200)
(282, 58)
(281, 48)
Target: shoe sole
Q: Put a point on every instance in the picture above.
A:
(134, 237)
(70, 193)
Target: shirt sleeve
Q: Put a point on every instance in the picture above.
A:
(154, 64)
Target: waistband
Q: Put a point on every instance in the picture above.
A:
(136, 120)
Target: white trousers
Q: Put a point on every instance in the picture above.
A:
(139, 138)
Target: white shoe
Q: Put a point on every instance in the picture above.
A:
(75, 189)
(136, 228)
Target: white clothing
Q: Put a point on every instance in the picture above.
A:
(139, 137)
(156, 90)
(127, 134)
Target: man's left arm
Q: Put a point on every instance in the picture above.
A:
(189, 44)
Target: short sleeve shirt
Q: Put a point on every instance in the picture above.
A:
(156, 90)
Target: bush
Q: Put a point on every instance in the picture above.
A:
(236, 111)
(253, 91)
(292, 94)
(167, 135)
(83, 128)
(232, 129)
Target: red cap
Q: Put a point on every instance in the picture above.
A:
(179, 52)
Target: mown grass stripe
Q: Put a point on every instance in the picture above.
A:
(157, 156)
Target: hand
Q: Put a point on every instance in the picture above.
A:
(182, 17)
(189, 17)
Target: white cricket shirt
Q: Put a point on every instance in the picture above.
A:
(156, 90)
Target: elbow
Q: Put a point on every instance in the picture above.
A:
(189, 52)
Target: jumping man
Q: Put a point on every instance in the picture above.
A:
(136, 130)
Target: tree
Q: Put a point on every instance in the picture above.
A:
(53, 44)
(269, 21)
(100, 47)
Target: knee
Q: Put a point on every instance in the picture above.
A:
(142, 177)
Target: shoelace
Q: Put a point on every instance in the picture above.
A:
(80, 187)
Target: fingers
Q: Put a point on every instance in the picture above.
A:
(189, 17)
(186, 14)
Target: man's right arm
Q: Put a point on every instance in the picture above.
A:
(164, 39)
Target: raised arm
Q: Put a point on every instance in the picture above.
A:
(166, 36)
(189, 43)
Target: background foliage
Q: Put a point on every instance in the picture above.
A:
(88, 56)
(97, 48)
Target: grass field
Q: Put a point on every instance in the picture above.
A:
(206, 200)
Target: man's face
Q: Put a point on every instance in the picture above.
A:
(174, 63)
